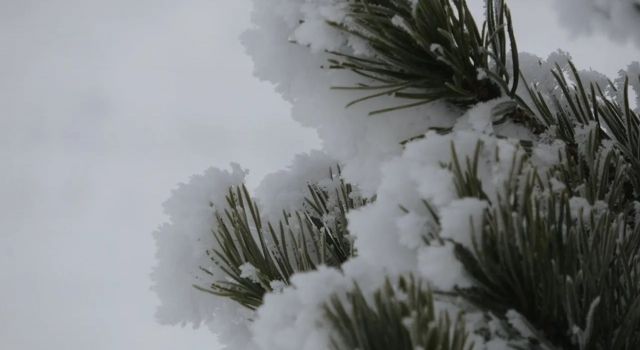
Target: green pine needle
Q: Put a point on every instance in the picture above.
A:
(400, 317)
(299, 242)
(576, 279)
(435, 51)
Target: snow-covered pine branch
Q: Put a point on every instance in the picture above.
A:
(502, 200)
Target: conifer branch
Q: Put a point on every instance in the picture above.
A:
(560, 246)
(257, 257)
(430, 51)
(573, 274)
(580, 105)
(401, 317)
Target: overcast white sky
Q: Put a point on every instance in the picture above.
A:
(105, 105)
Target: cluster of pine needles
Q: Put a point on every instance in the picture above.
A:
(575, 278)
(257, 257)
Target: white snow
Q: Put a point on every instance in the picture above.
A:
(394, 234)
(181, 251)
(286, 189)
(461, 218)
(438, 265)
(249, 271)
(291, 320)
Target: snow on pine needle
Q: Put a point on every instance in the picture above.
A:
(486, 198)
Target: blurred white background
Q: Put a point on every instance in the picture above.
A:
(105, 105)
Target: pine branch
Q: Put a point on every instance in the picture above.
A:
(401, 317)
(434, 51)
(575, 278)
(581, 105)
(573, 274)
(257, 257)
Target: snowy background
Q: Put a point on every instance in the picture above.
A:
(104, 107)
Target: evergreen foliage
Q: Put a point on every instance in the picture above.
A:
(561, 246)
(257, 257)
(402, 317)
(576, 279)
(584, 105)
(431, 50)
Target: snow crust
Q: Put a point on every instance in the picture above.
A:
(288, 45)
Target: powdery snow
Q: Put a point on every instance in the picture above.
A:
(181, 245)
(395, 234)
